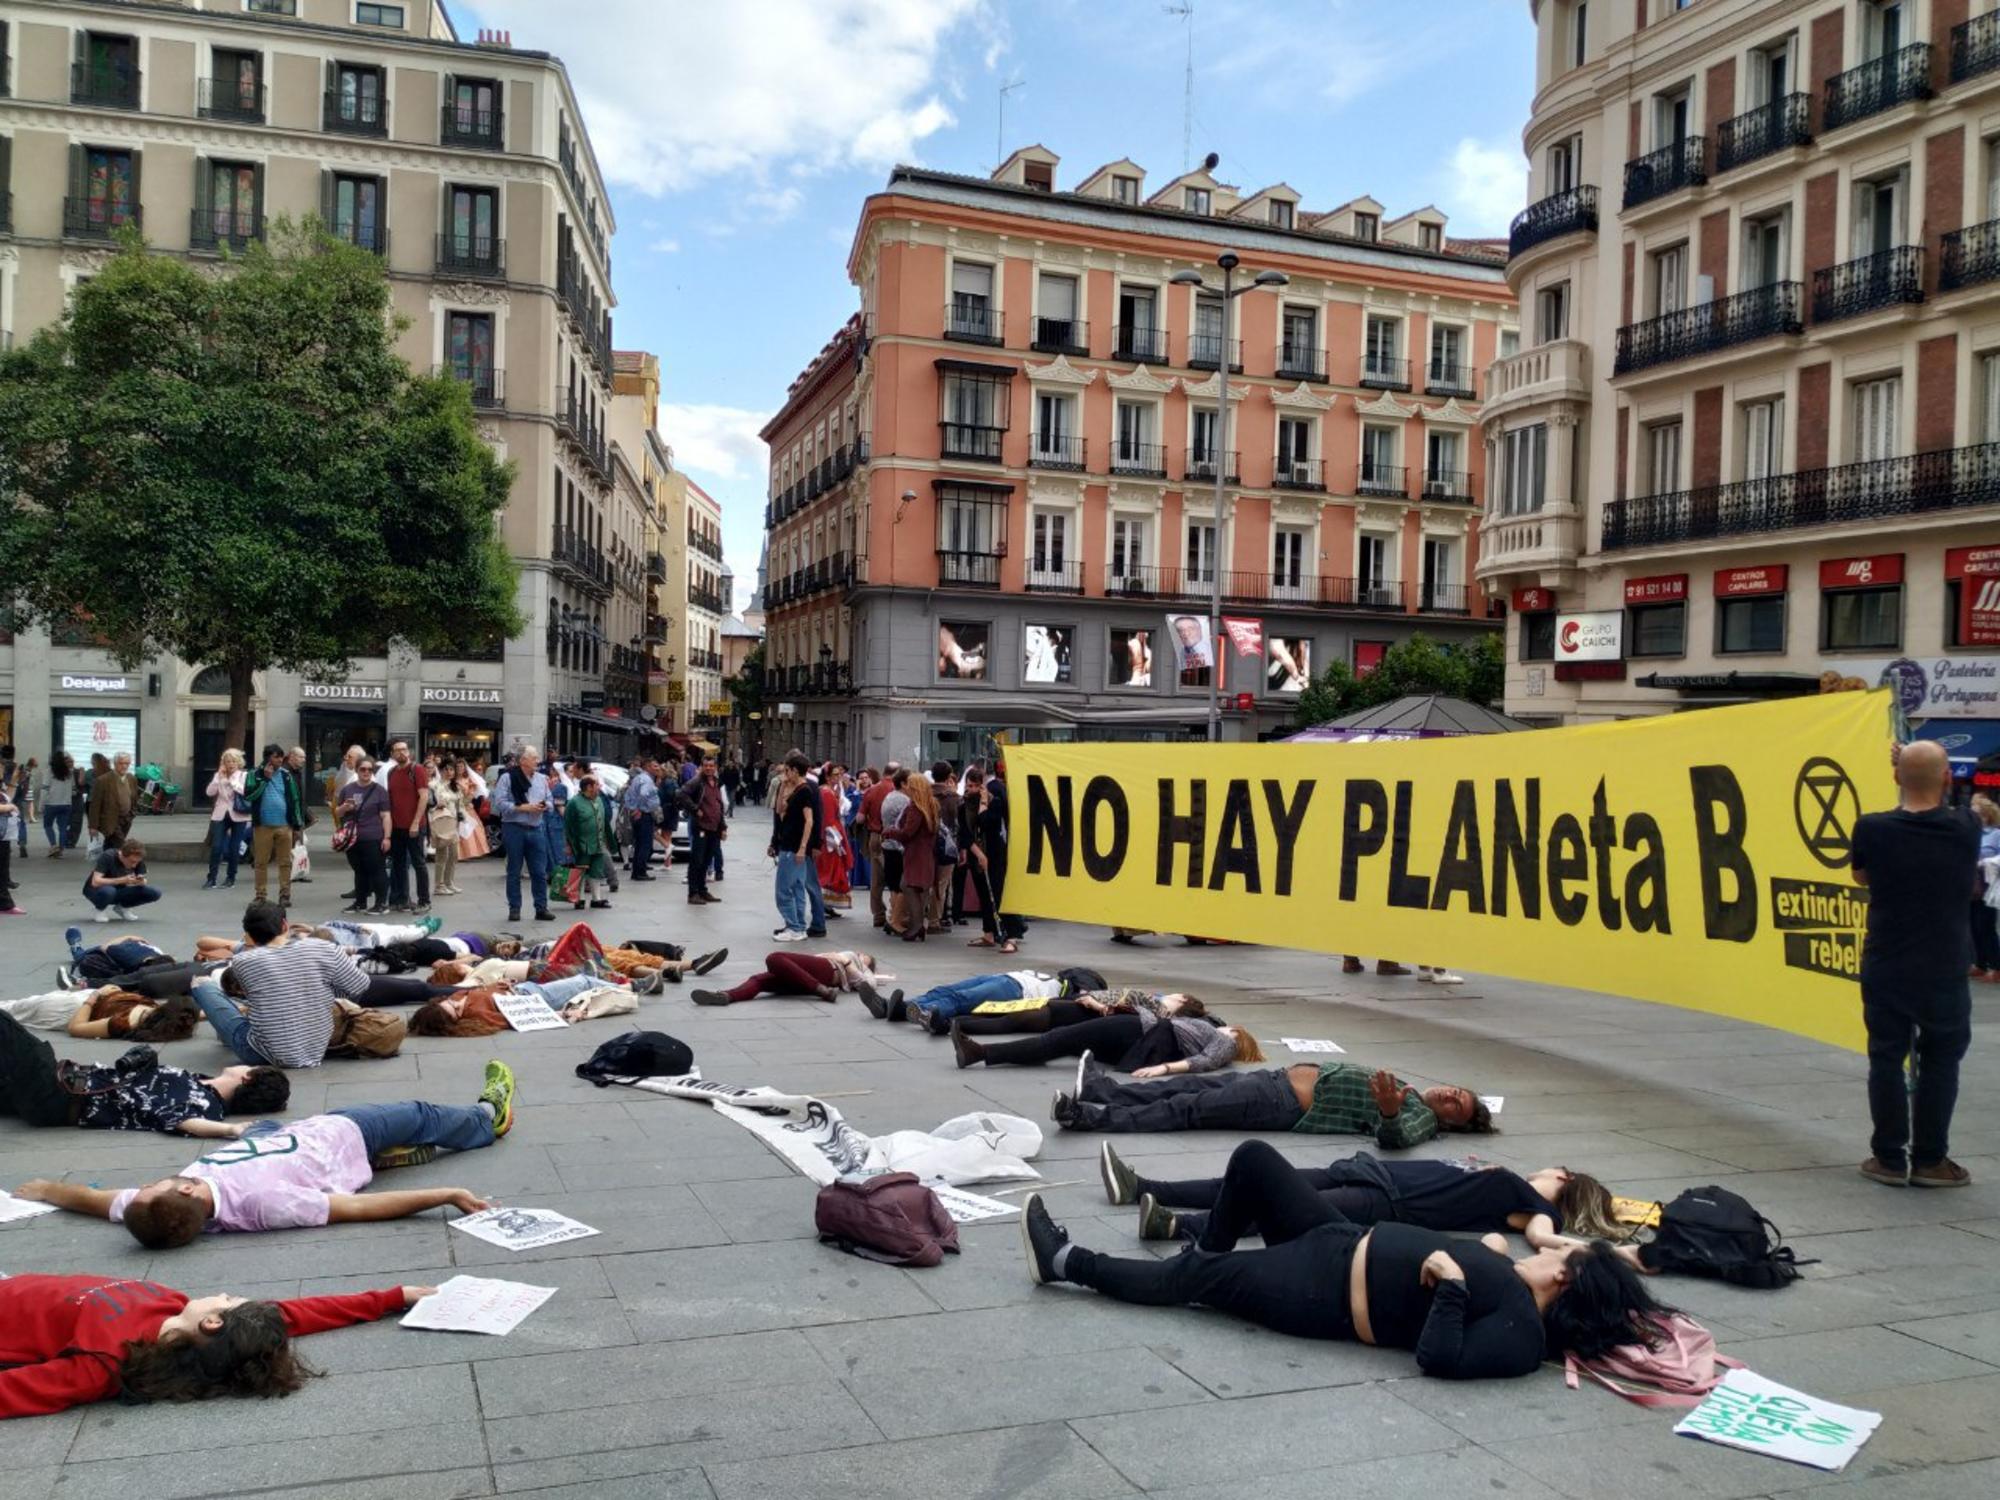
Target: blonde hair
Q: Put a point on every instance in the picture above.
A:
(1247, 1049)
(1986, 810)
(232, 760)
(918, 789)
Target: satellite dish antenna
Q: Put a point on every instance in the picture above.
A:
(1210, 161)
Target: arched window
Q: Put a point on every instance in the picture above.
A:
(210, 682)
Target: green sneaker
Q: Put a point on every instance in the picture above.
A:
(430, 926)
(499, 1096)
(1121, 1183)
(1155, 1222)
(403, 1156)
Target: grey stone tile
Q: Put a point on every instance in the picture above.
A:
(1017, 1463)
(625, 1222)
(767, 1208)
(32, 1482)
(264, 1458)
(1579, 1464)
(566, 1382)
(32, 1441)
(1408, 1476)
(676, 1484)
(1977, 1335)
(698, 1427)
(1951, 1422)
(1841, 1361)
(979, 1392)
(1974, 1481)
(678, 1294)
(1491, 1411)
(560, 1325)
(1234, 1359)
(1913, 1245)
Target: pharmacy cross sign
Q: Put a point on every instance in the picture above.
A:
(1824, 798)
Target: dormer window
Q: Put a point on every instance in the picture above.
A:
(1430, 236)
(1195, 200)
(1281, 213)
(1039, 175)
(1367, 226)
(1125, 189)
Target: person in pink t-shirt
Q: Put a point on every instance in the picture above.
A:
(303, 1174)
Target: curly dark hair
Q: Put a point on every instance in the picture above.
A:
(172, 1020)
(1604, 1305)
(263, 1091)
(251, 1355)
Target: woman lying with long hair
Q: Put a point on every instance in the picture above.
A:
(1463, 1307)
(472, 1012)
(68, 1340)
(107, 1013)
(1144, 1043)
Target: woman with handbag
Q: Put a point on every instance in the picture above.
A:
(228, 817)
(363, 836)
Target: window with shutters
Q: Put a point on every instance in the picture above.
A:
(1283, 213)
(973, 414)
(1877, 418)
(471, 241)
(1667, 273)
(1380, 474)
(1367, 226)
(1763, 439)
(1050, 564)
(471, 112)
(971, 314)
(1295, 452)
(106, 70)
(229, 205)
(1881, 207)
(104, 192)
(1552, 313)
(356, 99)
(972, 532)
(354, 210)
(1374, 569)
(235, 89)
(1524, 454)
(469, 354)
(1129, 557)
(1058, 326)
(1196, 200)
(1125, 189)
(1289, 571)
(1200, 553)
(1663, 458)
(1764, 258)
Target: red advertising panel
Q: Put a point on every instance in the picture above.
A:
(1368, 656)
(1861, 572)
(1739, 583)
(1663, 589)
(1977, 570)
(1534, 601)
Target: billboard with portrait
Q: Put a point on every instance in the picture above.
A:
(1194, 652)
(1045, 653)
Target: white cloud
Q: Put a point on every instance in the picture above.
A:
(774, 205)
(720, 441)
(664, 247)
(1483, 186)
(675, 94)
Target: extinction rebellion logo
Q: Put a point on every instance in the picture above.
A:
(1822, 920)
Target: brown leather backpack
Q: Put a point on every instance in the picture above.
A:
(892, 1218)
(361, 1032)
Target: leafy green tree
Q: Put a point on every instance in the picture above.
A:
(236, 467)
(1473, 669)
(746, 688)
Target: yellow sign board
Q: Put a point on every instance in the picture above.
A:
(719, 707)
(1696, 859)
(677, 690)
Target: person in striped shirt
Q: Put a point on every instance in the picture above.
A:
(289, 985)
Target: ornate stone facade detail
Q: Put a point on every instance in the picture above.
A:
(1047, 489)
(1059, 371)
(1207, 390)
(1386, 405)
(1451, 414)
(1300, 398)
(1140, 379)
(471, 294)
(86, 262)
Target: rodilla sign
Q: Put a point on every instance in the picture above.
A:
(1698, 860)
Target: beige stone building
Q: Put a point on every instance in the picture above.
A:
(467, 167)
(1752, 435)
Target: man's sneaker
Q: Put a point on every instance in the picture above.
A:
(648, 982)
(498, 1095)
(1894, 1176)
(1155, 1222)
(103, 917)
(66, 978)
(401, 906)
(876, 1005)
(1082, 1074)
(1063, 1110)
(73, 940)
(779, 932)
(709, 997)
(711, 961)
(1091, 1076)
(513, 916)
(1350, 965)
(964, 1048)
(132, 913)
(1042, 1238)
(1946, 1173)
(403, 1156)
(791, 935)
(430, 924)
(815, 932)
(1121, 1183)
(1445, 976)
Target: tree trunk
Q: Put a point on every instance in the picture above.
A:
(238, 733)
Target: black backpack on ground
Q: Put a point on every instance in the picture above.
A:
(637, 1054)
(1710, 1231)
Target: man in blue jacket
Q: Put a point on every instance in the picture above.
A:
(642, 801)
(520, 795)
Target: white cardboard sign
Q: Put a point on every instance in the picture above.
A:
(528, 1013)
(1313, 1044)
(12, 1208)
(522, 1228)
(477, 1304)
(1760, 1416)
(969, 1208)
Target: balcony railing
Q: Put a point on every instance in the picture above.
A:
(1764, 131)
(1572, 211)
(471, 255)
(108, 87)
(1971, 256)
(6, 212)
(1444, 598)
(1878, 84)
(580, 561)
(1362, 593)
(1444, 377)
(1975, 47)
(1679, 164)
(1448, 484)
(1385, 372)
(1046, 452)
(1149, 581)
(1887, 278)
(1758, 313)
(1299, 474)
(1206, 351)
(1061, 336)
(231, 99)
(969, 440)
(97, 218)
(1201, 466)
(1299, 362)
(354, 114)
(214, 229)
(1371, 478)
(1942, 479)
(656, 567)
(488, 386)
(1147, 459)
(1138, 342)
(971, 322)
(968, 570)
(462, 125)
(1053, 576)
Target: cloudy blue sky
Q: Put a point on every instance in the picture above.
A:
(739, 140)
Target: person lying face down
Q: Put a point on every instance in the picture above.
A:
(107, 1013)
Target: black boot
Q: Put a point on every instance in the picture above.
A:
(966, 1049)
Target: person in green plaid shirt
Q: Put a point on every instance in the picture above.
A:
(1315, 1099)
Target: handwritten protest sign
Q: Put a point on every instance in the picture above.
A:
(969, 1208)
(477, 1304)
(1313, 1044)
(528, 1013)
(1747, 1411)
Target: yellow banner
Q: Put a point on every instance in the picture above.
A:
(1696, 859)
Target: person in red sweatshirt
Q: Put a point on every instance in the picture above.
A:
(68, 1340)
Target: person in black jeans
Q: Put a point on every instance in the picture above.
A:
(364, 807)
(1919, 863)
(1463, 1308)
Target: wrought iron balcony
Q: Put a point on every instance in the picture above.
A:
(1150, 581)
(1201, 466)
(354, 114)
(1887, 278)
(971, 321)
(1679, 164)
(1444, 598)
(1975, 47)
(969, 440)
(1301, 362)
(1385, 372)
(656, 567)
(968, 570)
(1971, 256)
(1362, 593)
(462, 125)
(1054, 576)
(1299, 474)
(1448, 484)
(1148, 460)
(1444, 377)
(1878, 84)
(1371, 478)
(213, 229)
(1061, 336)
(1046, 452)
(1140, 342)
(98, 218)
(1942, 479)
(1206, 351)
(1572, 211)
(1764, 131)
(1740, 319)
(479, 255)
(488, 386)
(108, 85)
(231, 99)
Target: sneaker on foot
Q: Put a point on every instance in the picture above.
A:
(710, 961)
(103, 917)
(1090, 1075)
(791, 935)
(1389, 969)
(209, 884)
(964, 1048)
(545, 915)
(1946, 1173)
(1121, 1183)
(498, 1095)
(1155, 1222)
(1041, 1237)
(1350, 966)
(648, 982)
(403, 1156)
(1082, 1074)
(1063, 1110)
(708, 997)
(1894, 1176)
(1442, 976)
(825, 992)
(73, 940)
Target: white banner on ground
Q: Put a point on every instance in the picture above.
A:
(477, 1304)
(522, 1228)
(813, 1137)
(1313, 1044)
(12, 1208)
(969, 1208)
(528, 1013)
(694, 1086)
(1747, 1411)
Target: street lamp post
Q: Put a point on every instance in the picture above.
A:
(1229, 261)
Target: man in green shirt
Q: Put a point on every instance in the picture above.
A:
(1313, 1098)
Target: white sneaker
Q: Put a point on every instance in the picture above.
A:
(1443, 976)
(134, 913)
(103, 918)
(789, 936)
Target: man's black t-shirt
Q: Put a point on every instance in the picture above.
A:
(111, 864)
(1920, 868)
(798, 817)
(1445, 1195)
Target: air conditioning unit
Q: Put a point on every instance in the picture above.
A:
(1382, 594)
(1201, 468)
(1297, 472)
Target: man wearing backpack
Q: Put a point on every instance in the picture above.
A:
(1918, 863)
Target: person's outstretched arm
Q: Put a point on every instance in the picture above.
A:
(53, 1385)
(68, 1195)
(304, 1315)
(363, 1208)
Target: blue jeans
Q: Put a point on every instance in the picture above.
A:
(795, 878)
(967, 995)
(556, 993)
(525, 845)
(816, 899)
(231, 1025)
(644, 827)
(121, 896)
(456, 1127)
(224, 839)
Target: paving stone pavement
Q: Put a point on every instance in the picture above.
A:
(703, 1347)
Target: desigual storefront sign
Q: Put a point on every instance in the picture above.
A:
(343, 692)
(463, 696)
(85, 682)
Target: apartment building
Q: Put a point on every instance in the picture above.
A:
(467, 168)
(1752, 439)
(697, 706)
(992, 493)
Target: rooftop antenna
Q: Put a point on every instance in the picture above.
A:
(1185, 10)
(1000, 125)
